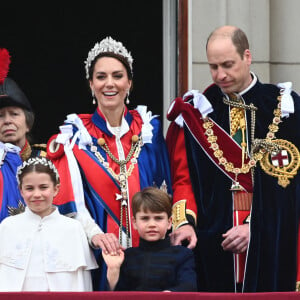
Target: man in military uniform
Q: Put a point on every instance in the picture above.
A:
(235, 159)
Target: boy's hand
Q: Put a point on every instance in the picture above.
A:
(113, 261)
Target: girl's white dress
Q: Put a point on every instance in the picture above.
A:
(44, 254)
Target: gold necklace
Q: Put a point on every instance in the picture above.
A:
(260, 146)
(136, 145)
(132, 156)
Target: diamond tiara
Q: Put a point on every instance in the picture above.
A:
(37, 161)
(107, 45)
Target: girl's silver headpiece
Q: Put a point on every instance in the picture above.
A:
(107, 45)
(37, 161)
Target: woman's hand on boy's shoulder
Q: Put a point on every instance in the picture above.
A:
(108, 242)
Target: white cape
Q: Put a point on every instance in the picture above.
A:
(66, 255)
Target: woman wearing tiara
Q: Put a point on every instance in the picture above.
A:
(106, 157)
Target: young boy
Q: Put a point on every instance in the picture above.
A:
(154, 265)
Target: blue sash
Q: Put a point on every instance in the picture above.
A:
(9, 192)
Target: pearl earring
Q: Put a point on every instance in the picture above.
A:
(93, 96)
(127, 98)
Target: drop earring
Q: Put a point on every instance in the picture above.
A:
(127, 98)
(93, 96)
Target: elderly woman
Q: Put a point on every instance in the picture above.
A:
(16, 120)
(114, 152)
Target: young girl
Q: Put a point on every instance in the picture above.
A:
(42, 250)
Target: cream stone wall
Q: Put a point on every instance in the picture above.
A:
(272, 29)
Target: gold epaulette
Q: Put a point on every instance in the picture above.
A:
(43, 153)
(42, 148)
(179, 213)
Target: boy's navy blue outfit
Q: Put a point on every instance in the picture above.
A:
(158, 266)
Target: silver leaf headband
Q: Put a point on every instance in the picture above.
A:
(107, 45)
(37, 161)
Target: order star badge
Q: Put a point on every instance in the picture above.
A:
(283, 164)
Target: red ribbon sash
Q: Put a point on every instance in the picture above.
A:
(231, 150)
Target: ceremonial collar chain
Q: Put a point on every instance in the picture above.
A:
(239, 104)
(259, 147)
(136, 145)
(132, 156)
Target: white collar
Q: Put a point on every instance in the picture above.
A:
(253, 82)
(36, 217)
(119, 131)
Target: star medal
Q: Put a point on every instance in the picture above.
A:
(283, 164)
